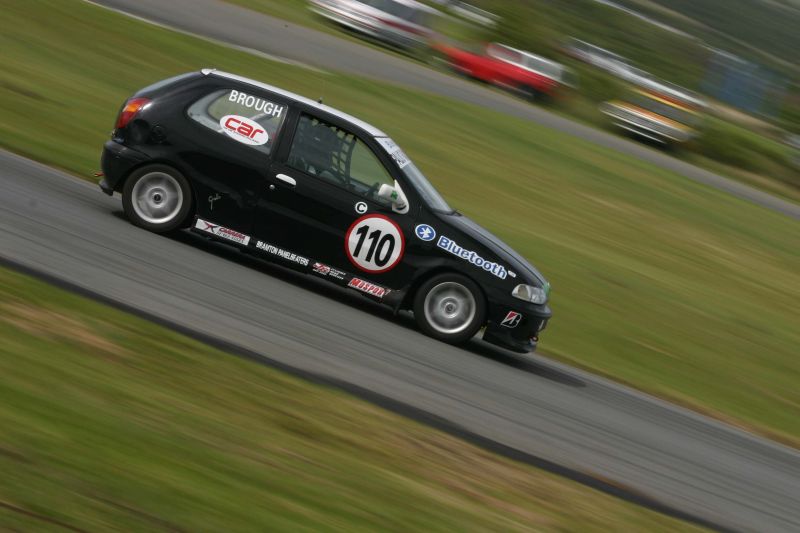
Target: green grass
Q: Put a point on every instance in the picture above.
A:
(743, 27)
(112, 423)
(676, 288)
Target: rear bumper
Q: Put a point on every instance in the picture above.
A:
(117, 161)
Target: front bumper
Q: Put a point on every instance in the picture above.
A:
(516, 333)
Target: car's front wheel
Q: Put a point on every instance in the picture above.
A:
(157, 198)
(449, 307)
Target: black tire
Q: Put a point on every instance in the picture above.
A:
(449, 307)
(148, 197)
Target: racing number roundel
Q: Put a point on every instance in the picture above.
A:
(374, 243)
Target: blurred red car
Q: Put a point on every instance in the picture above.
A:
(532, 75)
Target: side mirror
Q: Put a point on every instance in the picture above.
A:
(394, 195)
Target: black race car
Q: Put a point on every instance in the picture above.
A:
(305, 185)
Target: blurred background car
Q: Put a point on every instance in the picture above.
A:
(658, 112)
(402, 23)
(596, 56)
(532, 75)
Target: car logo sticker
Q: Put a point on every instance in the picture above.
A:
(374, 243)
(511, 320)
(244, 130)
(425, 232)
(361, 208)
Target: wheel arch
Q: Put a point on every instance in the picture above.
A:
(408, 299)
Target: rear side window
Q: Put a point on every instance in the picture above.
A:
(503, 53)
(251, 120)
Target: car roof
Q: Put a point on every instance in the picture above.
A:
(529, 54)
(418, 5)
(369, 128)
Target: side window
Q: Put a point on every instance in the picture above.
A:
(245, 118)
(337, 156)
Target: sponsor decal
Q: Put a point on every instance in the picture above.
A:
(511, 320)
(243, 130)
(369, 288)
(221, 231)
(374, 243)
(283, 254)
(361, 208)
(425, 232)
(257, 104)
(449, 245)
(397, 154)
(325, 270)
(319, 268)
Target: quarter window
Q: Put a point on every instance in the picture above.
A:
(251, 120)
(337, 156)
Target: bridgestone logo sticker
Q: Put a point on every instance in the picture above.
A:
(511, 320)
(222, 232)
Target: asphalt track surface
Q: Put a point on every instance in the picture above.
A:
(244, 28)
(565, 420)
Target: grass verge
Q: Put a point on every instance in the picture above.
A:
(660, 282)
(111, 422)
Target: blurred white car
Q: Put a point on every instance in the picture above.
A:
(402, 23)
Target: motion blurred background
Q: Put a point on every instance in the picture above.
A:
(667, 285)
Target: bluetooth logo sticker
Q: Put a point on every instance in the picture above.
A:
(425, 232)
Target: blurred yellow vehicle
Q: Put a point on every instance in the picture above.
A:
(659, 112)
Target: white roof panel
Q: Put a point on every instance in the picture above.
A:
(369, 128)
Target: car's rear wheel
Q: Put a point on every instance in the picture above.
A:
(157, 198)
(449, 307)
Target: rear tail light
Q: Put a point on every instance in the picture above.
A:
(129, 111)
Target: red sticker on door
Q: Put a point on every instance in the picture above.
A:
(374, 243)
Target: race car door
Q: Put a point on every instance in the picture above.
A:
(228, 148)
(322, 204)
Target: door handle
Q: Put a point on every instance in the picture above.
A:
(288, 180)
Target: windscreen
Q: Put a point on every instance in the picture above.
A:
(417, 179)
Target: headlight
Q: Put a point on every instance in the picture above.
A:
(529, 293)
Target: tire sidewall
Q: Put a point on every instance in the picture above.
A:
(480, 308)
(178, 221)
